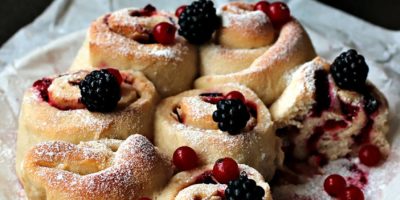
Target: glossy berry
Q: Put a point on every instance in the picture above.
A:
(278, 13)
(100, 91)
(262, 6)
(185, 158)
(180, 10)
(244, 188)
(371, 104)
(370, 155)
(350, 71)
(351, 193)
(225, 170)
(198, 21)
(116, 74)
(231, 115)
(164, 33)
(334, 185)
(235, 95)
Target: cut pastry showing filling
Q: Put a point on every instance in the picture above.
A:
(224, 121)
(320, 121)
(202, 184)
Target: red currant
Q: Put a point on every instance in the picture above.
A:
(185, 158)
(116, 74)
(370, 155)
(262, 6)
(279, 13)
(334, 185)
(225, 170)
(180, 10)
(164, 33)
(235, 95)
(352, 193)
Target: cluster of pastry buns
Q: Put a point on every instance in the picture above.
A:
(195, 105)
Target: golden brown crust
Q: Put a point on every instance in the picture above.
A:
(183, 185)
(39, 121)
(267, 75)
(104, 169)
(112, 40)
(257, 145)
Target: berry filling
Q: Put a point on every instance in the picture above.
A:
(147, 11)
(206, 178)
(212, 98)
(322, 93)
(41, 86)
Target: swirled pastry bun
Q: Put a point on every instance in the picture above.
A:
(189, 185)
(105, 169)
(123, 40)
(52, 110)
(249, 51)
(186, 119)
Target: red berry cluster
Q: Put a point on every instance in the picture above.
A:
(335, 186)
(278, 12)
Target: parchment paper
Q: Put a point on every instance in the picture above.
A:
(37, 50)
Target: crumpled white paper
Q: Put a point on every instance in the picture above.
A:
(37, 50)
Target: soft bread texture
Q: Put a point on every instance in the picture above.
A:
(256, 145)
(39, 121)
(105, 169)
(268, 74)
(294, 109)
(112, 41)
(183, 185)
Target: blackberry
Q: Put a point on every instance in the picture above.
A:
(198, 21)
(100, 91)
(243, 188)
(232, 115)
(350, 71)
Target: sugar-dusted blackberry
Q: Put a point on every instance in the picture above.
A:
(198, 21)
(231, 115)
(244, 188)
(350, 71)
(100, 91)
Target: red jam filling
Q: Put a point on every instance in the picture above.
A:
(42, 86)
(147, 11)
(360, 177)
(206, 178)
(211, 97)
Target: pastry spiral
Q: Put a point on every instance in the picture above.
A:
(55, 113)
(188, 185)
(246, 52)
(186, 119)
(123, 40)
(104, 169)
(317, 119)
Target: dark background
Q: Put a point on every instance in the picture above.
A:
(14, 14)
